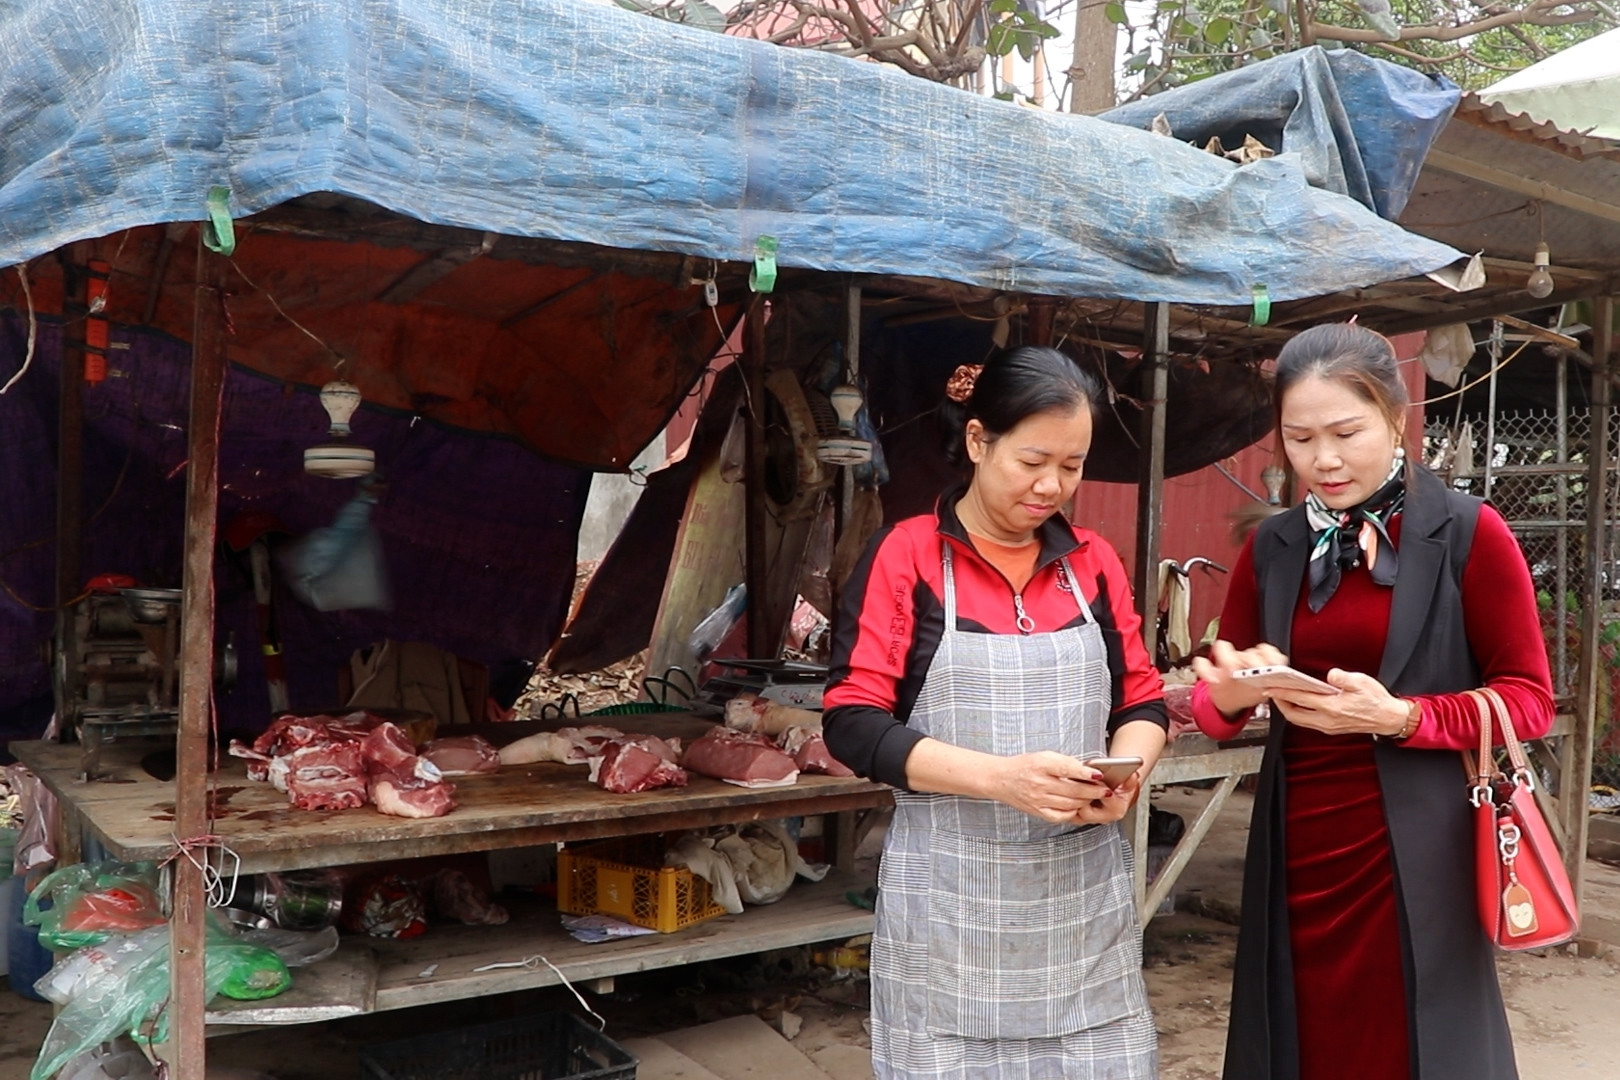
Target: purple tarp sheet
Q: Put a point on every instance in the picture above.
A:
(479, 534)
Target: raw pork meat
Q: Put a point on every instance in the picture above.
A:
(412, 796)
(387, 749)
(462, 755)
(637, 763)
(810, 753)
(331, 777)
(569, 745)
(750, 712)
(322, 763)
(741, 757)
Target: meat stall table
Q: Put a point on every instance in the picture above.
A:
(1190, 757)
(131, 813)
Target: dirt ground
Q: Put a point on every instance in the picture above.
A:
(1565, 1011)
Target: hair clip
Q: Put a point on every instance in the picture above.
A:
(959, 387)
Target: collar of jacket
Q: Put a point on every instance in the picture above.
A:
(1055, 533)
(1424, 558)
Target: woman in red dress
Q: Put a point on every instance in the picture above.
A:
(1361, 954)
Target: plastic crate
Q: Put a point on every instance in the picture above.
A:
(627, 879)
(546, 1046)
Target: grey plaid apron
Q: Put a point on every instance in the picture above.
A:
(1007, 947)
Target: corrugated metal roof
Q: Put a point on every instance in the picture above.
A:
(1473, 110)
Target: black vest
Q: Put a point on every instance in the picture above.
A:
(1458, 1028)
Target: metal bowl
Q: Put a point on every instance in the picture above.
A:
(150, 605)
(246, 920)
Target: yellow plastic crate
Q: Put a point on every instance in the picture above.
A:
(627, 879)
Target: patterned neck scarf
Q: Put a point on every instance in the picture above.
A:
(1339, 538)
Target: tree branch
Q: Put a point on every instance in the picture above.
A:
(968, 19)
(1441, 32)
(861, 25)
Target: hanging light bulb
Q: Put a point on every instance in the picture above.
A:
(1540, 282)
(1273, 477)
(340, 459)
(844, 448)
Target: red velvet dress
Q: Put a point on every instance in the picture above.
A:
(1344, 930)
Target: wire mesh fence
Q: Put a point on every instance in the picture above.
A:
(1532, 466)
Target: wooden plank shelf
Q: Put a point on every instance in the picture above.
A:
(440, 965)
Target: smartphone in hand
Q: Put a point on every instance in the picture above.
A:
(1283, 677)
(1115, 770)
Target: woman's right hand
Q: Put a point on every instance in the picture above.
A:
(1229, 695)
(1051, 786)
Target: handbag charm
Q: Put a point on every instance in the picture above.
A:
(1518, 905)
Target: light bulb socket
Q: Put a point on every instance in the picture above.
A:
(1540, 282)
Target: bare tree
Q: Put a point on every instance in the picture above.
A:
(1166, 43)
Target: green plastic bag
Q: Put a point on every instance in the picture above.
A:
(127, 989)
(253, 973)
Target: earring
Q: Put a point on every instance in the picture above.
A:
(1400, 453)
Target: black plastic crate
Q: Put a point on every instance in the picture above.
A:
(546, 1046)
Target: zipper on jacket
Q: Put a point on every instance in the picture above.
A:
(1026, 625)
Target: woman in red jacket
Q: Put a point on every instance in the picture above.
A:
(1361, 954)
(983, 652)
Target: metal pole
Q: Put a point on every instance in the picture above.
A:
(1561, 604)
(756, 558)
(1150, 469)
(187, 999)
(852, 375)
(1490, 414)
(1578, 781)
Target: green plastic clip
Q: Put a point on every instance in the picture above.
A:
(219, 234)
(762, 278)
(1262, 306)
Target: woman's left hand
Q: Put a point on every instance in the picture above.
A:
(1114, 805)
(1363, 706)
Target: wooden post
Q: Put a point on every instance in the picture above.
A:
(187, 1000)
(756, 558)
(70, 429)
(70, 475)
(1150, 469)
(1577, 779)
(1042, 313)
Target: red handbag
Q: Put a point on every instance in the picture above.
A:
(1525, 898)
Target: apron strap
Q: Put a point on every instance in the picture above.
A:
(1074, 587)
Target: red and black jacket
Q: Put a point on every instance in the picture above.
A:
(892, 615)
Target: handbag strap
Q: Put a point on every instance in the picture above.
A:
(1482, 770)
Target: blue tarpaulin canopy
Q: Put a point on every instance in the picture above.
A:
(1354, 124)
(583, 122)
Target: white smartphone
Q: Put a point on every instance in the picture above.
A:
(1115, 770)
(1283, 677)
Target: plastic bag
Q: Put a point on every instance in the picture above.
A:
(297, 948)
(707, 635)
(125, 988)
(340, 567)
(252, 973)
(753, 863)
(86, 903)
(36, 806)
(119, 1059)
